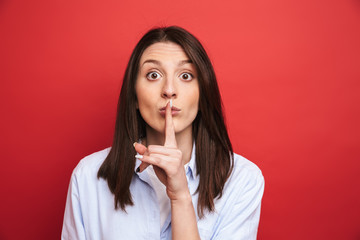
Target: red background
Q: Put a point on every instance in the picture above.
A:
(289, 75)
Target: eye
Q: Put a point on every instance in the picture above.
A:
(186, 76)
(153, 75)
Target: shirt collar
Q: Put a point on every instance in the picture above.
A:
(137, 164)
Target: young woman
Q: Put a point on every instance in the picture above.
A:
(171, 172)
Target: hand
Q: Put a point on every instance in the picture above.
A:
(166, 160)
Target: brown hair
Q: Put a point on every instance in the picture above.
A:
(214, 154)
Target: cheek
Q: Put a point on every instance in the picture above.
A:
(194, 99)
(145, 103)
(142, 97)
(193, 104)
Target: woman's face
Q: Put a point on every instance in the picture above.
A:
(166, 72)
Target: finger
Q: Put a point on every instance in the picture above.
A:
(141, 149)
(170, 140)
(165, 160)
(164, 151)
(155, 161)
(151, 149)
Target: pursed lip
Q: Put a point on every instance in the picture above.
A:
(174, 111)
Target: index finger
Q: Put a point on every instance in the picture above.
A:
(170, 140)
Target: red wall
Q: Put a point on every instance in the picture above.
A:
(289, 75)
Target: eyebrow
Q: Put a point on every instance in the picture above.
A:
(183, 62)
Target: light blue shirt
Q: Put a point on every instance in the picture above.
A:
(90, 214)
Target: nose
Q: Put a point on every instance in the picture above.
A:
(169, 89)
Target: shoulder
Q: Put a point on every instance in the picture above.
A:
(245, 176)
(90, 164)
(241, 164)
(238, 208)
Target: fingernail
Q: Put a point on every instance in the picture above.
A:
(134, 144)
(170, 103)
(138, 156)
(138, 169)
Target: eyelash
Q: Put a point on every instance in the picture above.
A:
(148, 75)
(191, 76)
(159, 75)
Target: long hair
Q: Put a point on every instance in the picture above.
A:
(214, 153)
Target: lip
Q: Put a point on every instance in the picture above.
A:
(174, 111)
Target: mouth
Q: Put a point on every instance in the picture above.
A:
(174, 111)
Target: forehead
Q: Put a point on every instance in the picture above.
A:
(164, 51)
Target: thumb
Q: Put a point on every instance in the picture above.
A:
(141, 149)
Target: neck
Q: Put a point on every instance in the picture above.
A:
(184, 141)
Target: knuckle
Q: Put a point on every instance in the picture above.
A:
(157, 160)
(151, 148)
(179, 152)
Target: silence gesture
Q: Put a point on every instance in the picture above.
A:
(166, 160)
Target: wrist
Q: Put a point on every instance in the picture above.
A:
(181, 198)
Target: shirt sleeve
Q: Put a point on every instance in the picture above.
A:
(242, 218)
(73, 225)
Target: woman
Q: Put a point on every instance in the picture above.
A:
(171, 172)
